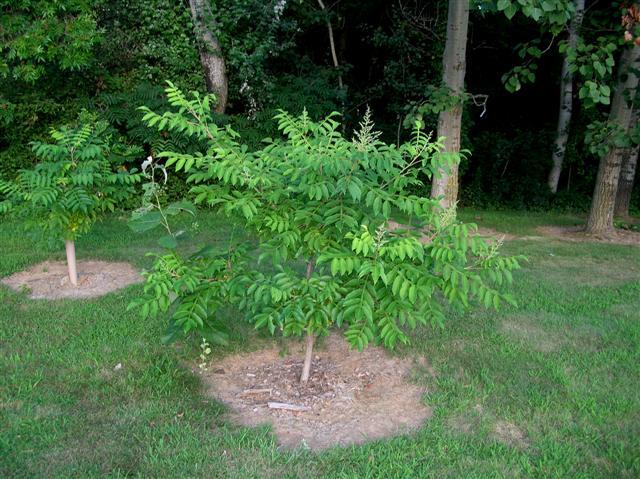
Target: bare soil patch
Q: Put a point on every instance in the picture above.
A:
(489, 234)
(509, 434)
(351, 397)
(576, 233)
(524, 329)
(49, 280)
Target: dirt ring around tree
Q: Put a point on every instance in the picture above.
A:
(489, 234)
(577, 234)
(49, 280)
(352, 397)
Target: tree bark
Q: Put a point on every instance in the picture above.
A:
(445, 182)
(308, 353)
(70, 248)
(625, 183)
(604, 196)
(332, 44)
(308, 356)
(215, 72)
(566, 99)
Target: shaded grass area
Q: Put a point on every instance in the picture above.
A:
(545, 390)
(522, 223)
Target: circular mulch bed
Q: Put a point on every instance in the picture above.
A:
(49, 280)
(576, 233)
(351, 397)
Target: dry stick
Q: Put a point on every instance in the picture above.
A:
(332, 43)
(287, 407)
(70, 248)
(249, 392)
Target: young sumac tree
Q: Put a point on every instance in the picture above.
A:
(74, 183)
(321, 206)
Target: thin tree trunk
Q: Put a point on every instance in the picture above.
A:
(70, 248)
(308, 353)
(625, 183)
(566, 99)
(445, 183)
(604, 196)
(332, 44)
(308, 356)
(215, 72)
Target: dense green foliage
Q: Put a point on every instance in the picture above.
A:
(318, 198)
(111, 57)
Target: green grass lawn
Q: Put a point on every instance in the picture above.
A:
(550, 389)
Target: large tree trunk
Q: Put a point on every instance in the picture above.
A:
(70, 247)
(566, 99)
(215, 72)
(625, 183)
(445, 183)
(604, 196)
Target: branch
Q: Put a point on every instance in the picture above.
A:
(332, 43)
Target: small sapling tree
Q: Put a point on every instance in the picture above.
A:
(192, 286)
(73, 185)
(321, 206)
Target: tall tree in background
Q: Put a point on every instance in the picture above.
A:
(627, 175)
(604, 196)
(213, 65)
(566, 97)
(445, 184)
(332, 43)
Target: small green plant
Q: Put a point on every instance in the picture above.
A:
(321, 206)
(72, 186)
(192, 286)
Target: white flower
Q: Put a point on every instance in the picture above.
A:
(278, 8)
(147, 162)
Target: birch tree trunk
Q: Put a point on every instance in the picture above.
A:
(215, 72)
(604, 196)
(625, 183)
(445, 183)
(566, 100)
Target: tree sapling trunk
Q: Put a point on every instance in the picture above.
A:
(308, 353)
(70, 247)
(308, 356)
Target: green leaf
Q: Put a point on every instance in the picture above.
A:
(168, 241)
(145, 222)
(179, 206)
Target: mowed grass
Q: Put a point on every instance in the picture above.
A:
(549, 389)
